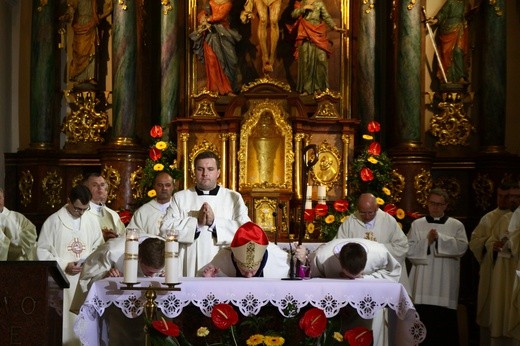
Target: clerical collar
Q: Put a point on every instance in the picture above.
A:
(210, 192)
(441, 220)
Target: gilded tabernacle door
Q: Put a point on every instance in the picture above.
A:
(266, 155)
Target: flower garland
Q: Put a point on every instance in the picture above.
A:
(161, 158)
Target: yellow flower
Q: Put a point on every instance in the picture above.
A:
(161, 145)
(387, 191)
(274, 340)
(368, 137)
(202, 332)
(380, 201)
(329, 219)
(310, 228)
(254, 340)
(372, 159)
(400, 214)
(152, 193)
(158, 167)
(344, 218)
(338, 336)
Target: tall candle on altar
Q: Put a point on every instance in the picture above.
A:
(171, 258)
(309, 192)
(131, 255)
(322, 194)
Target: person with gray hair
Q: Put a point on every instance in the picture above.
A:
(17, 234)
(437, 242)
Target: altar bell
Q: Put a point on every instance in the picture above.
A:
(251, 255)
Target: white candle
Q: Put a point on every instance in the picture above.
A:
(308, 205)
(322, 192)
(309, 192)
(171, 258)
(131, 256)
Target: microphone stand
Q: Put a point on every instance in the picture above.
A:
(292, 275)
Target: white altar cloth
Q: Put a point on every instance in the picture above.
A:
(249, 295)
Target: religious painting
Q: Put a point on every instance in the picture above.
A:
(264, 210)
(229, 46)
(327, 170)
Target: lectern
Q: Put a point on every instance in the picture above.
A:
(31, 302)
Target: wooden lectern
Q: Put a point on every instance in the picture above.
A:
(31, 302)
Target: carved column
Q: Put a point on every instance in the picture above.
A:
(43, 99)
(124, 54)
(366, 63)
(170, 62)
(408, 89)
(493, 72)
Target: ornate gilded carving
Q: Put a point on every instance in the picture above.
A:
(264, 210)
(113, 179)
(265, 155)
(84, 123)
(370, 6)
(52, 184)
(135, 183)
(346, 139)
(423, 184)
(266, 80)
(204, 146)
(328, 169)
(451, 126)
(326, 107)
(123, 5)
(205, 104)
(410, 5)
(77, 180)
(25, 185)
(167, 6)
(451, 186)
(484, 188)
(397, 186)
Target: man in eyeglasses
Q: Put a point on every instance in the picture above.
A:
(68, 236)
(437, 242)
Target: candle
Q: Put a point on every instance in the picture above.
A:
(308, 204)
(322, 194)
(309, 192)
(131, 255)
(171, 258)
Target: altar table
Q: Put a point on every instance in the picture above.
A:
(250, 295)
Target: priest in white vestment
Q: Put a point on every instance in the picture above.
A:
(437, 242)
(370, 222)
(69, 236)
(477, 245)
(251, 255)
(18, 239)
(205, 216)
(108, 219)
(148, 219)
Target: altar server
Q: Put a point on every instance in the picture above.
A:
(108, 219)
(149, 218)
(68, 236)
(361, 258)
(17, 234)
(251, 255)
(205, 216)
(437, 242)
(108, 261)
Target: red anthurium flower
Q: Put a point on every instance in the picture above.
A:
(366, 174)
(156, 131)
(341, 205)
(373, 126)
(155, 154)
(374, 148)
(414, 215)
(166, 328)
(390, 209)
(321, 209)
(308, 215)
(313, 322)
(359, 336)
(125, 216)
(224, 316)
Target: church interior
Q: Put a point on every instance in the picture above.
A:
(286, 134)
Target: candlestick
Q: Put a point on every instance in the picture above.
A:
(131, 255)
(171, 258)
